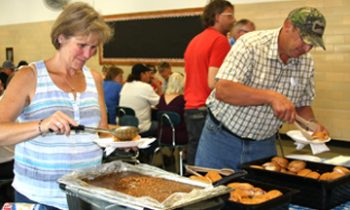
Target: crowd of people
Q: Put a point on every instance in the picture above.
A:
(236, 92)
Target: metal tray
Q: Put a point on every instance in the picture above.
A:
(103, 198)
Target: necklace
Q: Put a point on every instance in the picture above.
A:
(72, 89)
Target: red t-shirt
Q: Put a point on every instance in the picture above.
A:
(207, 49)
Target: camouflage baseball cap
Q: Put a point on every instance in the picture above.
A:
(311, 24)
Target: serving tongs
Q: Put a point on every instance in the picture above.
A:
(123, 133)
(302, 123)
(223, 171)
(229, 174)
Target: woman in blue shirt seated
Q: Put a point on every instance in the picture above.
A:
(112, 85)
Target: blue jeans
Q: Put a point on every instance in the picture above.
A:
(194, 119)
(219, 149)
(20, 198)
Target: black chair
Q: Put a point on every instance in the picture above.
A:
(128, 120)
(171, 120)
(123, 110)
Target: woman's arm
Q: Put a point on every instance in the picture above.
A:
(17, 95)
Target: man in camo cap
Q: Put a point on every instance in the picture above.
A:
(311, 24)
(265, 80)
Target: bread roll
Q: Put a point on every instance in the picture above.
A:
(282, 162)
(335, 175)
(341, 169)
(313, 175)
(296, 166)
(325, 176)
(256, 166)
(304, 172)
(329, 176)
(271, 166)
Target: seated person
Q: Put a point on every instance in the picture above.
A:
(241, 27)
(173, 100)
(165, 71)
(138, 94)
(112, 86)
(155, 82)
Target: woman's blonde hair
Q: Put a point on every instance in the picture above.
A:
(79, 19)
(175, 84)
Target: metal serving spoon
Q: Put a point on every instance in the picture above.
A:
(123, 133)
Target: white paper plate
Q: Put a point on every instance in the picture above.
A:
(297, 136)
(107, 142)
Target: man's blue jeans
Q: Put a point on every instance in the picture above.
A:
(220, 149)
(194, 119)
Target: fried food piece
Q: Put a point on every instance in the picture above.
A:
(319, 135)
(247, 194)
(235, 196)
(273, 194)
(201, 178)
(241, 185)
(213, 176)
(254, 200)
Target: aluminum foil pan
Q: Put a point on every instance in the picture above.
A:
(74, 182)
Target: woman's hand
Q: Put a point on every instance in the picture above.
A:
(58, 123)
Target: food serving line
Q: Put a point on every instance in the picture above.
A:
(314, 193)
(319, 194)
(297, 192)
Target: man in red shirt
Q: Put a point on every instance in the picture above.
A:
(203, 57)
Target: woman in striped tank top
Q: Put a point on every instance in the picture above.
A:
(49, 95)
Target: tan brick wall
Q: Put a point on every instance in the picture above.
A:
(332, 71)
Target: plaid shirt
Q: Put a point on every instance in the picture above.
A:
(254, 62)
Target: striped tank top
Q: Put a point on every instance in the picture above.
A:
(40, 161)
